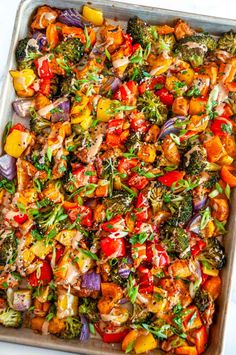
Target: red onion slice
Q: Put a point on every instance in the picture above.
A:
(91, 281)
(22, 107)
(72, 17)
(84, 335)
(169, 127)
(7, 167)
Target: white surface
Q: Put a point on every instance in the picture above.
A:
(227, 9)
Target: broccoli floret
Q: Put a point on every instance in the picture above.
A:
(48, 216)
(134, 72)
(181, 210)
(154, 110)
(119, 203)
(25, 53)
(202, 299)
(195, 160)
(140, 314)
(176, 241)
(227, 42)
(212, 180)
(164, 43)
(89, 309)
(155, 196)
(194, 48)
(133, 142)
(8, 250)
(10, 318)
(71, 49)
(72, 329)
(37, 123)
(66, 85)
(139, 31)
(212, 256)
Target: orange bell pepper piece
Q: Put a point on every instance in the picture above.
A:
(227, 175)
(215, 149)
(213, 286)
(52, 36)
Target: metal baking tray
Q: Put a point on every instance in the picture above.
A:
(120, 11)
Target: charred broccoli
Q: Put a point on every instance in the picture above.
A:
(71, 50)
(227, 42)
(89, 309)
(48, 216)
(154, 110)
(66, 85)
(134, 72)
(194, 48)
(72, 329)
(10, 318)
(165, 43)
(139, 31)
(133, 142)
(212, 180)
(202, 299)
(176, 241)
(140, 314)
(181, 209)
(195, 160)
(155, 196)
(119, 203)
(37, 123)
(26, 51)
(212, 256)
(8, 250)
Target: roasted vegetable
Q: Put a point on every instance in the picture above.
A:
(88, 307)
(26, 51)
(202, 299)
(118, 203)
(154, 110)
(176, 241)
(194, 48)
(155, 195)
(48, 216)
(71, 50)
(181, 208)
(212, 256)
(227, 42)
(139, 31)
(134, 72)
(164, 43)
(10, 318)
(194, 161)
(73, 327)
(8, 250)
(37, 123)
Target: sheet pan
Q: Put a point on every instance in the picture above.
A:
(122, 12)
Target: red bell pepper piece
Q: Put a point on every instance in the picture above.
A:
(151, 84)
(84, 175)
(142, 207)
(221, 126)
(138, 123)
(227, 111)
(201, 337)
(170, 177)
(20, 218)
(137, 181)
(115, 126)
(165, 97)
(112, 334)
(157, 255)
(113, 247)
(125, 165)
(115, 224)
(43, 277)
(145, 280)
(45, 86)
(43, 68)
(17, 127)
(112, 139)
(198, 247)
(126, 92)
(85, 213)
(59, 252)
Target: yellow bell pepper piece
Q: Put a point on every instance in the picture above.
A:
(78, 107)
(16, 143)
(27, 257)
(93, 15)
(40, 249)
(65, 237)
(22, 79)
(104, 112)
(210, 272)
(160, 65)
(43, 293)
(86, 123)
(67, 305)
(82, 116)
(145, 343)
(83, 261)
